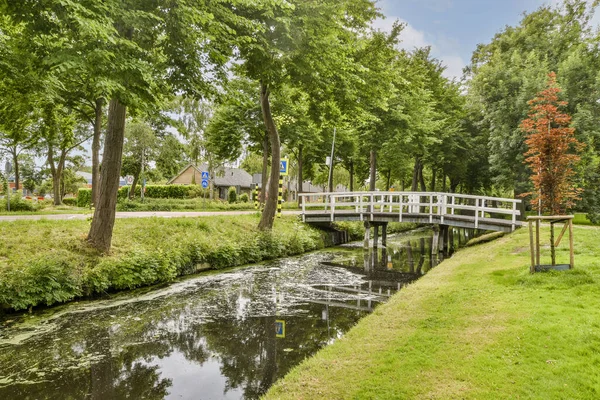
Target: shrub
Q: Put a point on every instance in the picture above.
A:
(232, 195)
(198, 191)
(244, 198)
(70, 201)
(84, 198)
(17, 203)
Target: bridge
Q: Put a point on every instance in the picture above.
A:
(380, 208)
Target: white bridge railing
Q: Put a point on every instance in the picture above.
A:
(367, 205)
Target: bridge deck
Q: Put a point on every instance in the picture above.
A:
(480, 212)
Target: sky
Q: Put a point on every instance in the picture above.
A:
(453, 28)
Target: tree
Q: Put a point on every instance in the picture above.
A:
(237, 124)
(507, 72)
(138, 150)
(550, 155)
(193, 117)
(170, 156)
(160, 47)
(303, 44)
(70, 181)
(61, 134)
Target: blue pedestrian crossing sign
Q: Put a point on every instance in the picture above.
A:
(280, 329)
(204, 174)
(284, 167)
(204, 183)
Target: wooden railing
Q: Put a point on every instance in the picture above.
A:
(432, 206)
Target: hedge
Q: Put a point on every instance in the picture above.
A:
(84, 196)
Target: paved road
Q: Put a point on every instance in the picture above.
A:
(135, 214)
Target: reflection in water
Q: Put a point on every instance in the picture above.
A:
(208, 337)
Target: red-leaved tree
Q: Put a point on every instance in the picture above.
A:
(552, 151)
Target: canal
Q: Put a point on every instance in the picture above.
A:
(225, 335)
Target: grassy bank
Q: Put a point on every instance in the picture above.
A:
(47, 262)
(477, 326)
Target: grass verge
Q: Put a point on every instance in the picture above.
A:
(47, 262)
(478, 326)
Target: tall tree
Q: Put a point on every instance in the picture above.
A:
(507, 72)
(301, 44)
(551, 151)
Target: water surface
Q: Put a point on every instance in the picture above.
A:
(214, 336)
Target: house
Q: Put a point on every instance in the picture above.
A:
(224, 178)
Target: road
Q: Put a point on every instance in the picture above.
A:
(134, 214)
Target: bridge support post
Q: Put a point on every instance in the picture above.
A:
(367, 235)
(444, 238)
(435, 243)
(375, 235)
(384, 234)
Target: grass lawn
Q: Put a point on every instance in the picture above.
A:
(48, 261)
(478, 326)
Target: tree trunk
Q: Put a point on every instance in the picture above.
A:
(100, 234)
(373, 170)
(96, 150)
(444, 183)
(15, 157)
(133, 185)
(268, 215)
(59, 171)
(415, 178)
(422, 178)
(299, 188)
(453, 185)
(433, 176)
(351, 176)
(265, 167)
(388, 179)
(56, 173)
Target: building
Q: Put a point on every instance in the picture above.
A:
(224, 178)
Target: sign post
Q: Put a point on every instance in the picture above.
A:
(283, 171)
(284, 167)
(280, 328)
(205, 179)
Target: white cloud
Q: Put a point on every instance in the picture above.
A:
(412, 38)
(454, 66)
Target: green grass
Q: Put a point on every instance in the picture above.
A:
(478, 326)
(48, 262)
(150, 204)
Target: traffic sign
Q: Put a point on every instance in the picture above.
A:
(279, 328)
(283, 167)
(204, 174)
(204, 183)
(129, 179)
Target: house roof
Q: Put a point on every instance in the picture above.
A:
(225, 176)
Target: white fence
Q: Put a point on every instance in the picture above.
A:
(433, 206)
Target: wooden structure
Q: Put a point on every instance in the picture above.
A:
(379, 208)
(534, 245)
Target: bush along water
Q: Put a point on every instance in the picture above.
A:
(69, 269)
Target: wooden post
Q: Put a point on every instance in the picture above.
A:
(532, 269)
(384, 235)
(435, 243)
(552, 250)
(367, 235)
(537, 241)
(572, 260)
(375, 236)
